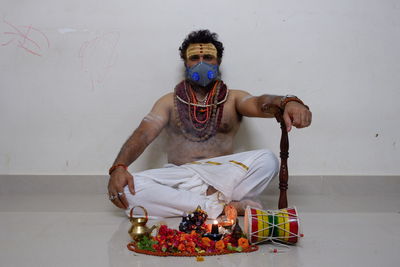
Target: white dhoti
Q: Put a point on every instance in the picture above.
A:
(172, 190)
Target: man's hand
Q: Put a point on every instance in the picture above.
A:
(296, 114)
(118, 180)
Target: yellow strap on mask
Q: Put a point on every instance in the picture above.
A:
(201, 49)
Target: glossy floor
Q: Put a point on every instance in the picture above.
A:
(340, 229)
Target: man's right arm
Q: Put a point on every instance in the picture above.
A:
(150, 127)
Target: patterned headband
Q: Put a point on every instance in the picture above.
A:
(201, 49)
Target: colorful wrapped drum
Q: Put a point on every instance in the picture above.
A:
(272, 225)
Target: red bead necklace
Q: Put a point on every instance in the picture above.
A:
(209, 97)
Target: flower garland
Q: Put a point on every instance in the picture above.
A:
(171, 242)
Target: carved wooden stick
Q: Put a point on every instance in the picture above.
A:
(284, 147)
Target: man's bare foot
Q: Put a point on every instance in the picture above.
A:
(241, 205)
(211, 190)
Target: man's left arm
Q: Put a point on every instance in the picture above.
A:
(295, 112)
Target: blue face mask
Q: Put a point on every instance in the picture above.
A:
(202, 73)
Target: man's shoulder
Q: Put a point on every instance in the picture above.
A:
(167, 97)
(166, 101)
(236, 94)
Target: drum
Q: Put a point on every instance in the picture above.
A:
(272, 225)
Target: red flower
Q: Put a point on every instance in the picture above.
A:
(163, 230)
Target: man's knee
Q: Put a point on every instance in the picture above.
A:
(262, 170)
(268, 163)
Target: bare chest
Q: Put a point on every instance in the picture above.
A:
(229, 121)
(182, 150)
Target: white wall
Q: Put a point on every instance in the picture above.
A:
(78, 76)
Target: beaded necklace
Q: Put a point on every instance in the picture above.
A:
(199, 120)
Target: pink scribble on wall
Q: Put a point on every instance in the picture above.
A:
(28, 38)
(98, 55)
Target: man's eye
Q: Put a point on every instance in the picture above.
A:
(208, 57)
(195, 57)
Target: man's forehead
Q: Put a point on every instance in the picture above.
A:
(201, 49)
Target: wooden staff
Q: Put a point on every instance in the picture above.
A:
(284, 154)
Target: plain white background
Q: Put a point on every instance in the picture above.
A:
(77, 77)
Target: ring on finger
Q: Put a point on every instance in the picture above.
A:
(120, 194)
(112, 197)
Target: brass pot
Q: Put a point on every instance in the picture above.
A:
(139, 229)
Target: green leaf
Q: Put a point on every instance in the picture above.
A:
(146, 243)
(230, 247)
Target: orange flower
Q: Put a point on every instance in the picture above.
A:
(191, 244)
(183, 237)
(181, 247)
(243, 242)
(219, 245)
(206, 241)
(190, 247)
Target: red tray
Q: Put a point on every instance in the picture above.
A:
(131, 246)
